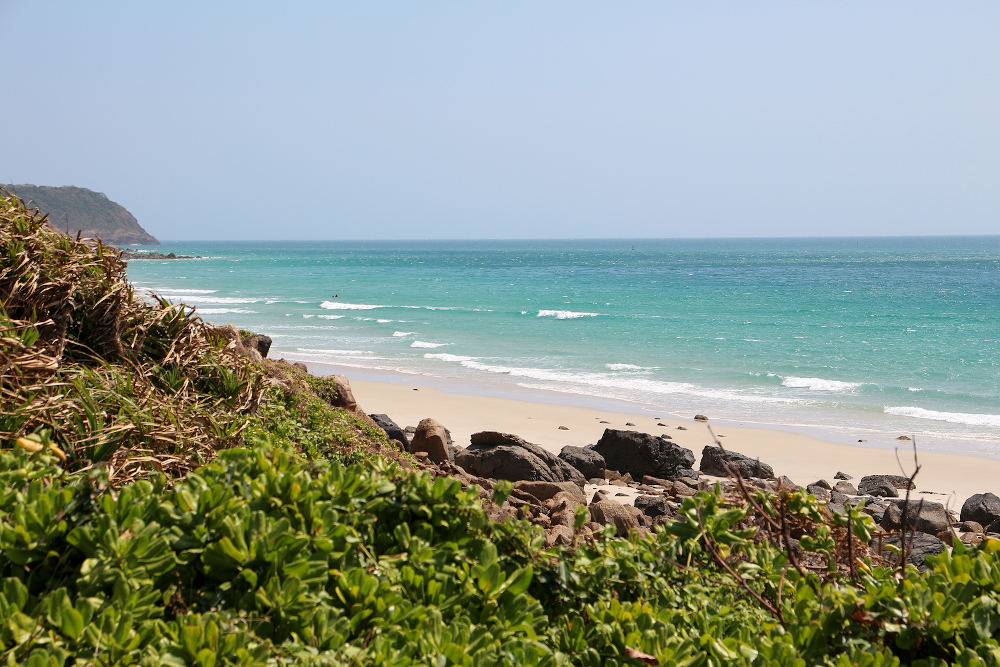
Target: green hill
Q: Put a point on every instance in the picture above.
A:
(72, 209)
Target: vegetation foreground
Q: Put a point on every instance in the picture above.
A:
(165, 499)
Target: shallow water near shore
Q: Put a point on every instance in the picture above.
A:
(862, 335)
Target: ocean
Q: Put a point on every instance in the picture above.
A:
(856, 336)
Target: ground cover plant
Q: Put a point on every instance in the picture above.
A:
(166, 500)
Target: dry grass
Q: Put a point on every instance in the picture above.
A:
(110, 378)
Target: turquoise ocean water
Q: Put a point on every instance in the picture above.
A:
(852, 335)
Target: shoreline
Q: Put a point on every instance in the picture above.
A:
(948, 478)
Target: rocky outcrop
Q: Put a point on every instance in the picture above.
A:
(258, 342)
(641, 454)
(714, 461)
(585, 459)
(983, 508)
(392, 429)
(431, 439)
(506, 456)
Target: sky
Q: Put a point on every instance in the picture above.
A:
(425, 120)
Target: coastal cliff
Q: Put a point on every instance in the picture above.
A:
(73, 209)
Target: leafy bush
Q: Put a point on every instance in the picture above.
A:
(259, 557)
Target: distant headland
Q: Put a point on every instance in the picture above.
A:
(72, 209)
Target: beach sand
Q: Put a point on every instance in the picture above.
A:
(945, 478)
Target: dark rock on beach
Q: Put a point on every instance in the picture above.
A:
(506, 456)
(613, 513)
(885, 486)
(714, 461)
(641, 454)
(430, 438)
(983, 508)
(846, 488)
(921, 515)
(652, 506)
(585, 459)
(392, 429)
(922, 546)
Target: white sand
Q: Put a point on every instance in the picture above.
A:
(945, 478)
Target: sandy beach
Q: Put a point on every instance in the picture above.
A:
(945, 478)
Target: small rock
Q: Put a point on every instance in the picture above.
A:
(564, 428)
(604, 422)
(545, 490)
(660, 424)
(785, 483)
(821, 492)
(682, 428)
(652, 506)
(903, 437)
(845, 487)
(825, 484)
(842, 475)
(700, 418)
(970, 527)
(613, 513)
(629, 424)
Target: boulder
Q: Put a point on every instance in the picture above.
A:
(640, 454)
(785, 483)
(922, 546)
(613, 513)
(896, 481)
(589, 462)
(506, 456)
(392, 429)
(983, 508)
(842, 475)
(838, 498)
(652, 506)
(300, 366)
(258, 342)
(715, 459)
(345, 397)
(700, 418)
(545, 490)
(823, 483)
(877, 485)
(922, 515)
(845, 488)
(430, 438)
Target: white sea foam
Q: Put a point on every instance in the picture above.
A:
(330, 317)
(443, 356)
(337, 353)
(340, 305)
(308, 316)
(383, 321)
(177, 290)
(628, 367)
(400, 334)
(564, 314)
(219, 311)
(598, 383)
(819, 384)
(421, 343)
(208, 299)
(974, 419)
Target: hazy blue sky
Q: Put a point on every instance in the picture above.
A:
(327, 120)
